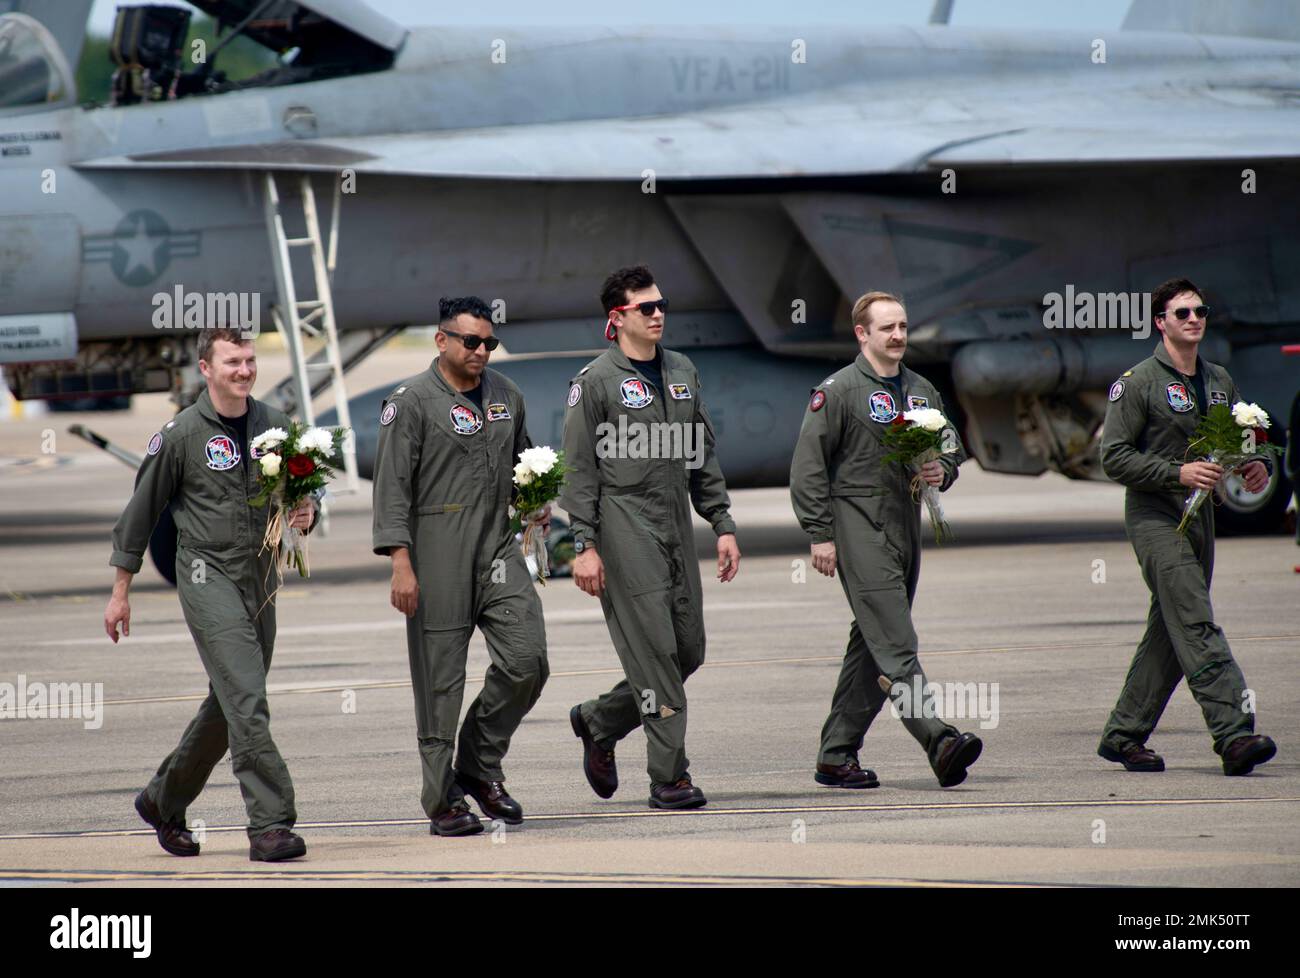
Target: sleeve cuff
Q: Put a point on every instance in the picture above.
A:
(128, 562)
(582, 530)
(724, 526)
(383, 544)
(823, 536)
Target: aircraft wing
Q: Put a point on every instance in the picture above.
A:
(845, 131)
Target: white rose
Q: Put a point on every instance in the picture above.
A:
(270, 438)
(316, 440)
(523, 474)
(1249, 415)
(270, 465)
(538, 460)
(927, 418)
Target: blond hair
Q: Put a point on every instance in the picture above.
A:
(865, 302)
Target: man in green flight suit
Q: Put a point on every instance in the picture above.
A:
(200, 464)
(449, 440)
(863, 520)
(640, 450)
(1152, 413)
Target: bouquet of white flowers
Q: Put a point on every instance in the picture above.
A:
(292, 465)
(539, 477)
(1229, 437)
(917, 437)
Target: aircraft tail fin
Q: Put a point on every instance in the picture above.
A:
(66, 20)
(1275, 20)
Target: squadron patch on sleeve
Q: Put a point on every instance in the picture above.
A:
(155, 444)
(1116, 390)
(389, 413)
(575, 395)
(818, 399)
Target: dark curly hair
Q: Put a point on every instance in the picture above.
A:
(619, 284)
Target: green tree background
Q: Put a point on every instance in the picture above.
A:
(240, 59)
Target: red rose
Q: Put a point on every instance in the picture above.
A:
(899, 420)
(300, 465)
(1261, 436)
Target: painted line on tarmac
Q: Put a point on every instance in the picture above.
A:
(964, 806)
(470, 876)
(275, 689)
(398, 623)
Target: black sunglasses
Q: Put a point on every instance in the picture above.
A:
(646, 309)
(472, 342)
(1184, 312)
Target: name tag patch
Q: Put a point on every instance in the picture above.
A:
(679, 392)
(498, 412)
(915, 401)
(1218, 397)
(222, 453)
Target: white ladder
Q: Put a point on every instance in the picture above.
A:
(301, 320)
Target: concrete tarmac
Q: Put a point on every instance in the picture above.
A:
(1040, 595)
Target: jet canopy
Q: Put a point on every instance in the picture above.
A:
(33, 72)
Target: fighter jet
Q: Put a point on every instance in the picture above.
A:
(1023, 190)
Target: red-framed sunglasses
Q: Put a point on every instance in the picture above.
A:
(646, 309)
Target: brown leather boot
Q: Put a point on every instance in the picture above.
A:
(172, 836)
(1134, 757)
(680, 794)
(957, 754)
(597, 762)
(457, 820)
(492, 798)
(276, 845)
(846, 775)
(1241, 756)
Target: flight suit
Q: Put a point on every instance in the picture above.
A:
(1151, 416)
(843, 492)
(443, 483)
(224, 584)
(1293, 459)
(637, 513)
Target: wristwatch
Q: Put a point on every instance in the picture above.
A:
(580, 544)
